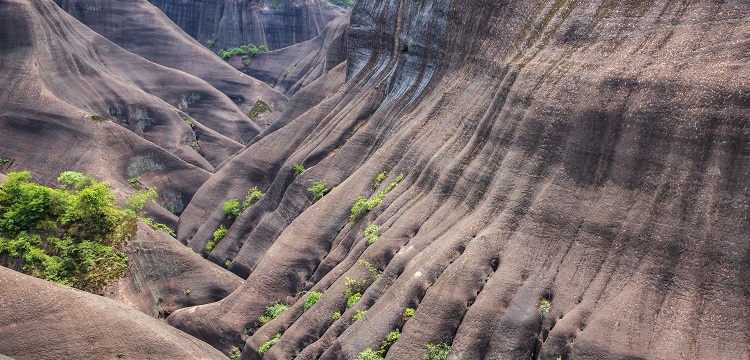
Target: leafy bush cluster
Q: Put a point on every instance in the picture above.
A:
(218, 235)
(379, 179)
(353, 291)
(235, 354)
(273, 312)
(233, 208)
(249, 50)
(370, 354)
(371, 268)
(318, 190)
(437, 351)
(298, 170)
(69, 235)
(544, 307)
(267, 345)
(370, 234)
(311, 299)
(359, 315)
(363, 205)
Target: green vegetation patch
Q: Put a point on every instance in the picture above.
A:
(267, 345)
(260, 108)
(363, 205)
(232, 207)
(311, 299)
(218, 235)
(298, 170)
(273, 312)
(353, 291)
(437, 351)
(248, 50)
(318, 190)
(69, 235)
(370, 234)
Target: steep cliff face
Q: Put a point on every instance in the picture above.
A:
(231, 23)
(575, 184)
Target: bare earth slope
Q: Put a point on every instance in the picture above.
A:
(42, 320)
(591, 154)
(230, 23)
(141, 28)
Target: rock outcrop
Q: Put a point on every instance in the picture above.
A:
(141, 28)
(231, 23)
(575, 184)
(163, 275)
(43, 320)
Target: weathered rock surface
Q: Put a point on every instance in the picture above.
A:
(43, 320)
(141, 28)
(230, 23)
(592, 154)
(163, 275)
(292, 68)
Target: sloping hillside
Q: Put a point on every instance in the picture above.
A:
(574, 184)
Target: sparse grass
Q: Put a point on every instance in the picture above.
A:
(273, 312)
(267, 346)
(97, 118)
(258, 109)
(311, 299)
(318, 190)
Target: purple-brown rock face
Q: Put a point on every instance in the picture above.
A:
(231, 23)
(575, 184)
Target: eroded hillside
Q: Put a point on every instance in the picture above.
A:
(540, 179)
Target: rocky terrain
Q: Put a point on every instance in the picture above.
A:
(539, 179)
(231, 23)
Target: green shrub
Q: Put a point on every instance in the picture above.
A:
(392, 337)
(227, 263)
(252, 197)
(408, 313)
(298, 170)
(372, 269)
(247, 62)
(359, 315)
(437, 351)
(236, 352)
(336, 316)
(311, 299)
(232, 208)
(379, 179)
(158, 226)
(267, 346)
(273, 312)
(370, 234)
(362, 205)
(318, 190)
(369, 354)
(544, 307)
(353, 291)
(69, 235)
(218, 235)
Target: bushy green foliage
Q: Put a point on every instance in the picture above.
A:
(218, 235)
(353, 291)
(245, 50)
(68, 235)
(227, 263)
(157, 226)
(359, 315)
(379, 179)
(544, 307)
(247, 62)
(298, 170)
(232, 208)
(336, 316)
(437, 351)
(369, 354)
(267, 346)
(346, 4)
(370, 234)
(392, 337)
(273, 312)
(236, 352)
(408, 313)
(318, 190)
(311, 299)
(363, 205)
(252, 197)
